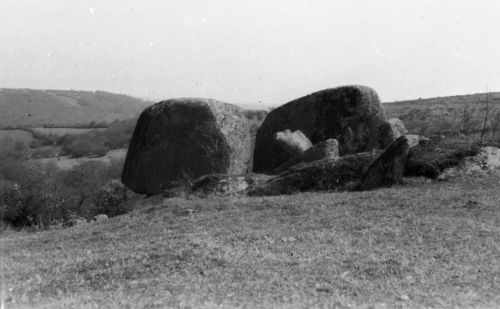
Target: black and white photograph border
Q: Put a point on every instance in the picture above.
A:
(249, 154)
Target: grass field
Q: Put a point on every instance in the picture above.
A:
(67, 162)
(64, 131)
(419, 245)
(22, 136)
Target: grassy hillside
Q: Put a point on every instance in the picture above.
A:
(27, 107)
(425, 244)
(447, 114)
(441, 115)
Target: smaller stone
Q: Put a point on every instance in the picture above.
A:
(222, 184)
(325, 150)
(391, 130)
(294, 143)
(76, 221)
(389, 168)
(101, 217)
(414, 139)
(404, 297)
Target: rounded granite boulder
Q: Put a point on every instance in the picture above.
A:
(178, 140)
(350, 114)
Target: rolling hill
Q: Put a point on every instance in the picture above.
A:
(70, 108)
(440, 115)
(447, 114)
(28, 107)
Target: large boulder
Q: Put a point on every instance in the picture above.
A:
(350, 114)
(179, 140)
(329, 174)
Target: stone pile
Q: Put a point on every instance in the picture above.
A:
(334, 139)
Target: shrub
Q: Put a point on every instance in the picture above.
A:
(98, 142)
(110, 199)
(32, 194)
(45, 152)
(30, 198)
(85, 145)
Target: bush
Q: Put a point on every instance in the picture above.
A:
(110, 199)
(45, 152)
(85, 145)
(30, 198)
(97, 143)
(32, 194)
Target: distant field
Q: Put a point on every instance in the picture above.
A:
(446, 114)
(67, 163)
(64, 131)
(17, 135)
(34, 108)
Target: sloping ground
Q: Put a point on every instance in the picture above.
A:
(424, 244)
(27, 107)
(441, 114)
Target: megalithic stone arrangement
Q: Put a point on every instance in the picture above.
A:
(352, 115)
(181, 139)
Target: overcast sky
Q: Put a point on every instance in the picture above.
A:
(251, 52)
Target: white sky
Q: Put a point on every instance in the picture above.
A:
(253, 51)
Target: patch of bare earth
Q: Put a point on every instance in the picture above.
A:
(422, 244)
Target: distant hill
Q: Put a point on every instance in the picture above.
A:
(441, 115)
(447, 114)
(69, 108)
(28, 107)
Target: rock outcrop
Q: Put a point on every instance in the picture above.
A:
(321, 175)
(388, 169)
(351, 114)
(223, 184)
(431, 157)
(327, 149)
(487, 160)
(181, 139)
(101, 217)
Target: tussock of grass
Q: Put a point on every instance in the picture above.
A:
(423, 244)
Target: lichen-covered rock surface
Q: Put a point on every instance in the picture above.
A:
(388, 169)
(327, 149)
(431, 157)
(487, 160)
(181, 139)
(293, 143)
(320, 175)
(350, 114)
(223, 184)
(391, 130)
